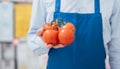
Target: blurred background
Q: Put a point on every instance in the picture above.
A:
(14, 23)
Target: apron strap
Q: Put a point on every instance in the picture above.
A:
(97, 6)
(57, 5)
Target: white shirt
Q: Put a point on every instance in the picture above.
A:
(43, 12)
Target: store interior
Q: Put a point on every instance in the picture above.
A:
(14, 24)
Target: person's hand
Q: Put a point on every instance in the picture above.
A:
(40, 32)
(59, 46)
(54, 46)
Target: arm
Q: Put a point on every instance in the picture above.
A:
(37, 20)
(114, 45)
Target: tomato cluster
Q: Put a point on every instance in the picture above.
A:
(55, 34)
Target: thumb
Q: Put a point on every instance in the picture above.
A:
(39, 31)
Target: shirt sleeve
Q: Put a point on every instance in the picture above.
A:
(114, 44)
(37, 20)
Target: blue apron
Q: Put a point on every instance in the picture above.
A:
(87, 51)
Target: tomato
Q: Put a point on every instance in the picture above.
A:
(69, 26)
(66, 36)
(50, 37)
(55, 25)
(47, 26)
(52, 25)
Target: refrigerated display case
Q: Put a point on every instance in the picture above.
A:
(6, 22)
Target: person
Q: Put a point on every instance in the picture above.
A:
(97, 24)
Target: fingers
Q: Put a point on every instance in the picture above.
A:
(39, 31)
(49, 45)
(58, 46)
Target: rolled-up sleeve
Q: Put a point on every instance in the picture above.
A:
(37, 20)
(114, 44)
